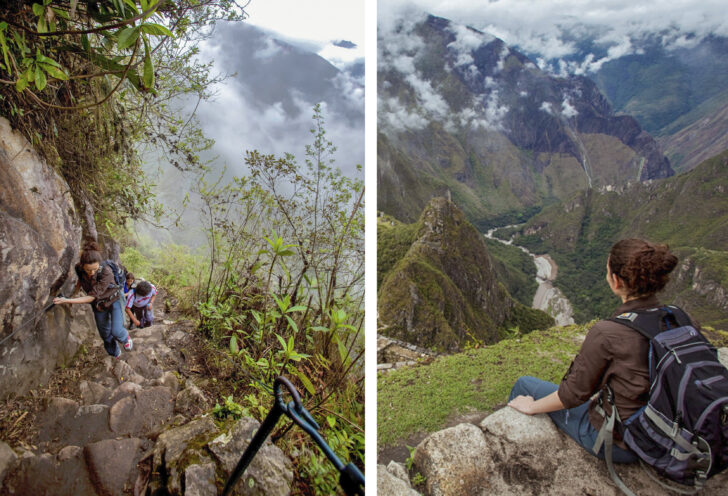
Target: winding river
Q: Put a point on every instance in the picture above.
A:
(548, 297)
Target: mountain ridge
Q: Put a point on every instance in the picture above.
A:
(460, 111)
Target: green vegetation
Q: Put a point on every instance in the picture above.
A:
(439, 287)
(578, 234)
(426, 398)
(393, 240)
(423, 399)
(229, 408)
(91, 85)
(279, 291)
(290, 302)
(515, 269)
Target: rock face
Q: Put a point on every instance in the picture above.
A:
(510, 453)
(40, 236)
(460, 110)
(393, 354)
(444, 291)
(131, 433)
(393, 480)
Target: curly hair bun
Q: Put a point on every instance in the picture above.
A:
(90, 253)
(643, 266)
(90, 245)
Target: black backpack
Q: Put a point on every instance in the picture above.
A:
(117, 270)
(682, 432)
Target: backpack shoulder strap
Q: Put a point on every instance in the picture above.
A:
(649, 322)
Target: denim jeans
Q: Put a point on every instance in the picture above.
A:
(111, 328)
(573, 421)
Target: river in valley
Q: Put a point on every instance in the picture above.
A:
(548, 297)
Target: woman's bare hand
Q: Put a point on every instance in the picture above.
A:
(523, 404)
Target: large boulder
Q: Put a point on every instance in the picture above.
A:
(7, 460)
(455, 462)
(112, 465)
(270, 473)
(178, 448)
(516, 454)
(40, 237)
(393, 480)
(64, 474)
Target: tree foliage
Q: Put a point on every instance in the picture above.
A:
(95, 84)
(284, 290)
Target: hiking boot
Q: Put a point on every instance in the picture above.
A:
(128, 345)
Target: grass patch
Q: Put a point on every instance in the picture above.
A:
(422, 399)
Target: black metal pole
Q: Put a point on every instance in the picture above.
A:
(255, 444)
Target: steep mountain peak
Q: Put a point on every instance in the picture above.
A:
(443, 292)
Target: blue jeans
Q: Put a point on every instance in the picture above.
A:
(573, 421)
(111, 328)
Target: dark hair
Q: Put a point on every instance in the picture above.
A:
(90, 253)
(129, 275)
(643, 266)
(143, 288)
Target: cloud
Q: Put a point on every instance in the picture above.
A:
(494, 111)
(270, 48)
(552, 28)
(344, 44)
(394, 115)
(567, 109)
(466, 40)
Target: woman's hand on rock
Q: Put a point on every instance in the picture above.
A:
(58, 300)
(523, 404)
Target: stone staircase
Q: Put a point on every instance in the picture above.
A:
(139, 425)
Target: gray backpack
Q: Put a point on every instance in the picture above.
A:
(682, 432)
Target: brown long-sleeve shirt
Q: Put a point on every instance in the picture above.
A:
(611, 354)
(98, 286)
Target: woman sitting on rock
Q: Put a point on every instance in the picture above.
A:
(98, 282)
(612, 354)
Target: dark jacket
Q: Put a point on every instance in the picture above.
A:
(611, 354)
(101, 285)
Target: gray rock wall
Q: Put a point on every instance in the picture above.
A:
(40, 238)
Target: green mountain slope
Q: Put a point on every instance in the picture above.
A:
(697, 135)
(438, 284)
(689, 212)
(661, 85)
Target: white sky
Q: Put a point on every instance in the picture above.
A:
(318, 21)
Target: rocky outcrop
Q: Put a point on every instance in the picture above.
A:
(510, 453)
(393, 354)
(444, 292)
(695, 285)
(40, 238)
(393, 480)
(138, 427)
